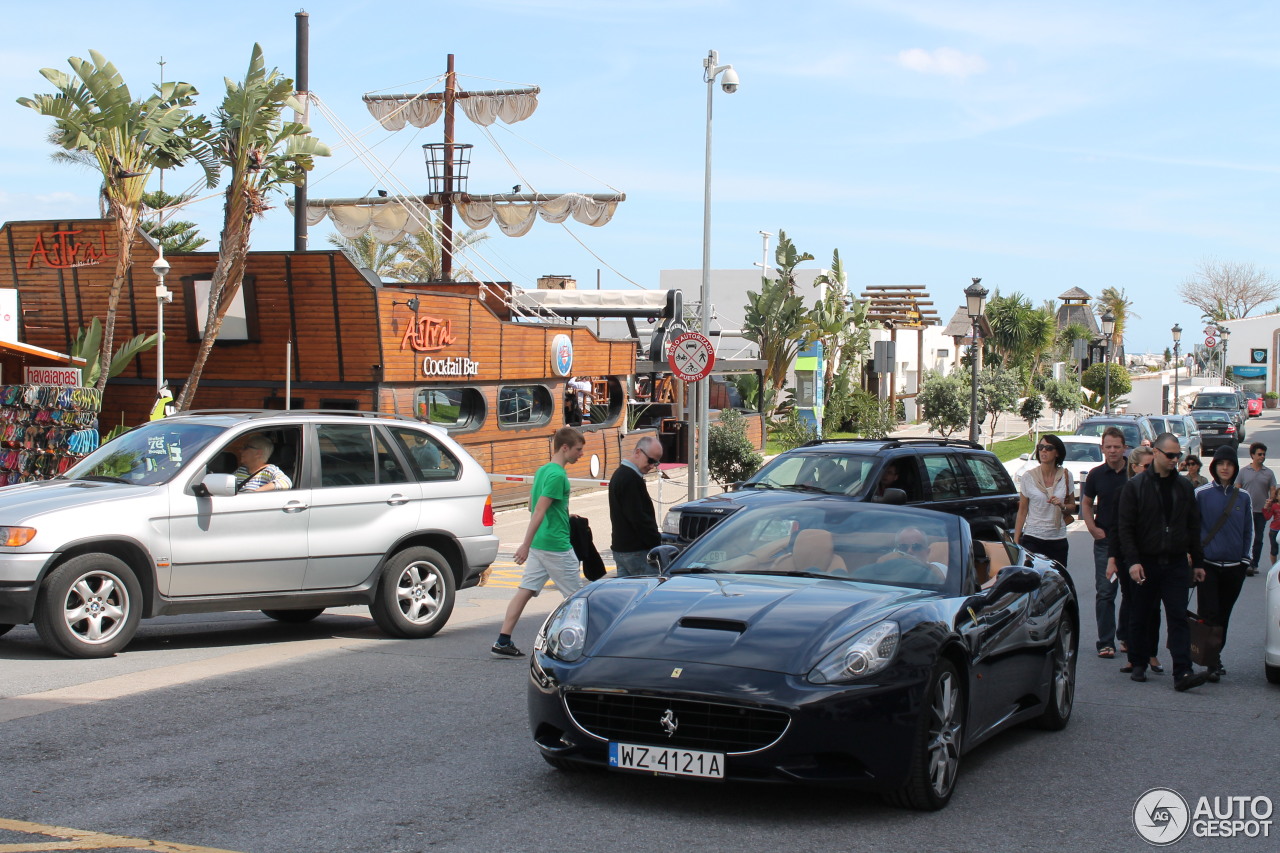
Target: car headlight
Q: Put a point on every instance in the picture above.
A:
(16, 537)
(564, 637)
(865, 654)
(671, 524)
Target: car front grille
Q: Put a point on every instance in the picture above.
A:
(693, 526)
(708, 726)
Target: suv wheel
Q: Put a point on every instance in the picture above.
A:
(415, 594)
(89, 606)
(294, 617)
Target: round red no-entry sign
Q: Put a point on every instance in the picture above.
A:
(692, 357)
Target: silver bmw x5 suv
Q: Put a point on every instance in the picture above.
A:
(359, 508)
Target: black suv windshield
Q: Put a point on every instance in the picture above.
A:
(148, 455)
(1216, 401)
(837, 474)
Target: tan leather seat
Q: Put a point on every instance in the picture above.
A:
(814, 551)
(997, 559)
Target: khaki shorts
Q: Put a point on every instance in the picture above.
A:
(558, 566)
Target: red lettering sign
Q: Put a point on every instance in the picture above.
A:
(62, 250)
(428, 334)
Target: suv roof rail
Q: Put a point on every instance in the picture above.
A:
(906, 441)
(267, 413)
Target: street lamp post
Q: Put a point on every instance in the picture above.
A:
(711, 69)
(1177, 338)
(1108, 328)
(975, 297)
(1226, 333)
(163, 295)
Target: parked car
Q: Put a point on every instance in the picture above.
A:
(1224, 398)
(1136, 428)
(1254, 402)
(1184, 427)
(1217, 429)
(944, 474)
(1084, 453)
(381, 510)
(819, 640)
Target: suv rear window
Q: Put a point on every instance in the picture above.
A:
(1132, 435)
(992, 478)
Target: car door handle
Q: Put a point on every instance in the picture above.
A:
(294, 506)
(397, 500)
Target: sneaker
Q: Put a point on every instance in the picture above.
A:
(506, 650)
(1138, 675)
(1188, 680)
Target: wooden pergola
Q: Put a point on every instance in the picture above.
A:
(901, 306)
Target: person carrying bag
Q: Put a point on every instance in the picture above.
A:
(1226, 531)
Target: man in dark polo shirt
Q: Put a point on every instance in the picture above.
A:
(635, 525)
(1098, 509)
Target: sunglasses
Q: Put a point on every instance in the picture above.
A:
(1167, 455)
(913, 546)
(652, 461)
(1040, 447)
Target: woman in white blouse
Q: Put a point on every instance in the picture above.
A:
(1047, 502)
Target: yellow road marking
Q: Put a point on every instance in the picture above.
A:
(507, 574)
(80, 839)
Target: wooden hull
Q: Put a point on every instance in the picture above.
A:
(354, 344)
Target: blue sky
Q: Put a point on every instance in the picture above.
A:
(1039, 146)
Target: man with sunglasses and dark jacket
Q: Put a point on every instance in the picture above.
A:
(1159, 527)
(631, 513)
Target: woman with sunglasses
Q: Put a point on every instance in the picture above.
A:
(1046, 502)
(1193, 471)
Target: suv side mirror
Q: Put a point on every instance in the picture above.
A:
(215, 485)
(893, 496)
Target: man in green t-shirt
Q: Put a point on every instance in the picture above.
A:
(546, 541)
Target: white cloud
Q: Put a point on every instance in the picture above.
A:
(946, 61)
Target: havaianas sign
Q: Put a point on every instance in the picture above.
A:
(432, 334)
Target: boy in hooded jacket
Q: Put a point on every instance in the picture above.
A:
(1226, 529)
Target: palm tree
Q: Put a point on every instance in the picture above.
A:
(94, 113)
(264, 153)
(368, 252)
(1114, 300)
(419, 256)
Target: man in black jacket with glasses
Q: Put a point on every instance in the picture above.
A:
(1159, 528)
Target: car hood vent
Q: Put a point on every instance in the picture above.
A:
(736, 625)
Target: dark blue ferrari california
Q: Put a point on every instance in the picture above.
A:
(817, 641)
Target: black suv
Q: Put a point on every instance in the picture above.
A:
(953, 476)
(1134, 427)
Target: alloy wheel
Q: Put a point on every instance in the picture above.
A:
(419, 592)
(96, 607)
(944, 735)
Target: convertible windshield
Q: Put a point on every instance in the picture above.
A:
(833, 473)
(148, 455)
(819, 538)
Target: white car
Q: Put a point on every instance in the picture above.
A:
(1084, 453)
(1271, 649)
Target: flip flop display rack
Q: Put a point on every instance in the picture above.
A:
(45, 429)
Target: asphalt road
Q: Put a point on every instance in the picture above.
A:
(237, 733)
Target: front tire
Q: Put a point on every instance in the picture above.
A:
(415, 594)
(89, 607)
(935, 758)
(1062, 687)
(294, 617)
(1273, 674)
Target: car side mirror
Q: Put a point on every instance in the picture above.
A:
(893, 496)
(215, 486)
(661, 557)
(1025, 457)
(1014, 579)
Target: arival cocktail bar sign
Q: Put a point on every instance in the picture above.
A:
(432, 334)
(62, 250)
